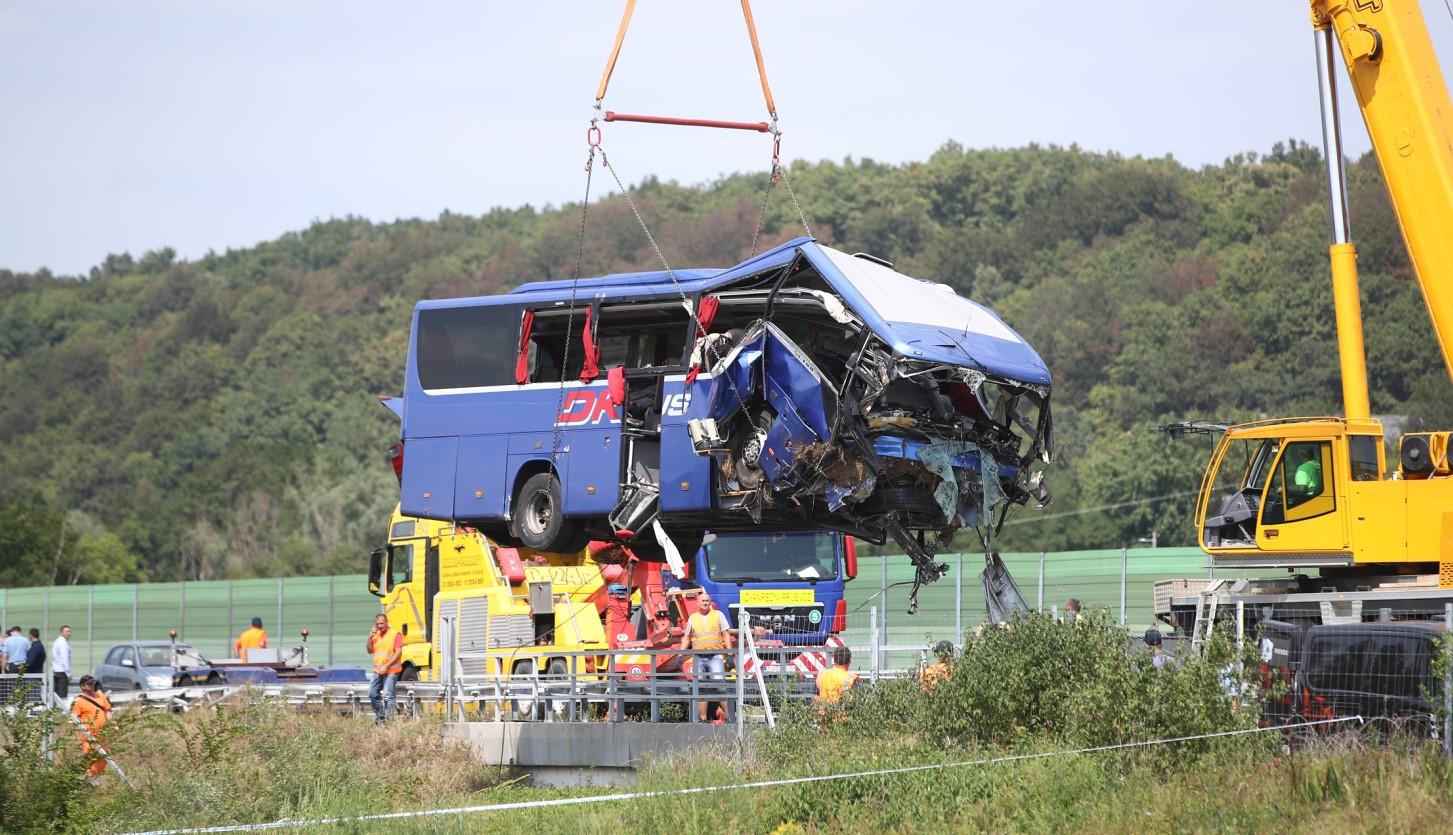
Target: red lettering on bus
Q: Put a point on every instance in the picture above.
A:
(586, 407)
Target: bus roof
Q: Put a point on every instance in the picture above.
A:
(919, 319)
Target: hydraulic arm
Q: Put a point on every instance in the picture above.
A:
(1404, 101)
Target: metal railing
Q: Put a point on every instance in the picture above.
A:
(25, 690)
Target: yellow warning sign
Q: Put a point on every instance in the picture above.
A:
(777, 597)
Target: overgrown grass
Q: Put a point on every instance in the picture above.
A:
(1041, 687)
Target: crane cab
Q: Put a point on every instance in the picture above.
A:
(1318, 492)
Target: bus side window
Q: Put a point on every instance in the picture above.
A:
(547, 346)
(462, 347)
(644, 336)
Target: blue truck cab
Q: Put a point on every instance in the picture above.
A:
(793, 584)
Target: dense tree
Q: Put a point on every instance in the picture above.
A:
(169, 418)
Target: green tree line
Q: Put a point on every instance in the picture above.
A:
(164, 418)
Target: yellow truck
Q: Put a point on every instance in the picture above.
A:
(515, 610)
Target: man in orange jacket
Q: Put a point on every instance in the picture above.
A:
(92, 708)
(251, 638)
(387, 647)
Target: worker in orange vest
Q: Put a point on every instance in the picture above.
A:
(387, 647)
(251, 638)
(92, 708)
(938, 671)
(834, 684)
(707, 629)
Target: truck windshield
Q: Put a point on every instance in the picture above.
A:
(772, 557)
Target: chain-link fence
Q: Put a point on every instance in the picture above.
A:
(337, 612)
(1121, 580)
(1348, 655)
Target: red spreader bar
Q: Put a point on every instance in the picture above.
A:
(759, 127)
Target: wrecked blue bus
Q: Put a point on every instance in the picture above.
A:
(803, 389)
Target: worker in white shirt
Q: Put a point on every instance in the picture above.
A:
(60, 663)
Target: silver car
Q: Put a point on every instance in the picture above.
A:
(155, 665)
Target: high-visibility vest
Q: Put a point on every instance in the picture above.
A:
(251, 638)
(932, 674)
(708, 630)
(383, 647)
(832, 684)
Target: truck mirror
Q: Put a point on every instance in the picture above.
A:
(375, 571)
(850, 557)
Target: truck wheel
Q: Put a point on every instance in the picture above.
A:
(214, 679)
(539, 522)
(558, 674)
(410, 673)
(522, 707)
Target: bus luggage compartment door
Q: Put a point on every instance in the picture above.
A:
(428, 483)
(479, 487)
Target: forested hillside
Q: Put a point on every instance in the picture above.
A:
(164, 419)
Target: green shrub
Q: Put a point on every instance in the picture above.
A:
(42, 785)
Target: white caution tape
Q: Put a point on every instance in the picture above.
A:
(761, 784)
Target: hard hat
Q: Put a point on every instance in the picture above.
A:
(1152, 637)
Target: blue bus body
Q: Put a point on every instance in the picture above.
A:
(794, 584)
(802, 389)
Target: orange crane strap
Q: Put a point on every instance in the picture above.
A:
(759, 127)
(615, 52)
(757, 52)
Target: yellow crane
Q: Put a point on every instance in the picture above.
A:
(1318, 492)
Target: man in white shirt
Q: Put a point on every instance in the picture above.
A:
(60, 664)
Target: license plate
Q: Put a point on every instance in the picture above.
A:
(777, 597)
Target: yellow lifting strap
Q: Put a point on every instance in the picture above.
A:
(615, 52)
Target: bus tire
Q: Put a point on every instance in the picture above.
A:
(539, 522)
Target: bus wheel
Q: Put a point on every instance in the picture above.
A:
(523, 705)
(539, 522)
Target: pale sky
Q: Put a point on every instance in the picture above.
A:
(129, 126)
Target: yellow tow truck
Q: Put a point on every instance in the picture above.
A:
(515, 611)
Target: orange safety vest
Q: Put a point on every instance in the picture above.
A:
(833, 683)
(251, 638)
(932, 674)
(707, 631)
(382, 646)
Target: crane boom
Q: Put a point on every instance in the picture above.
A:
(1320, 492)
(1404, 101)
